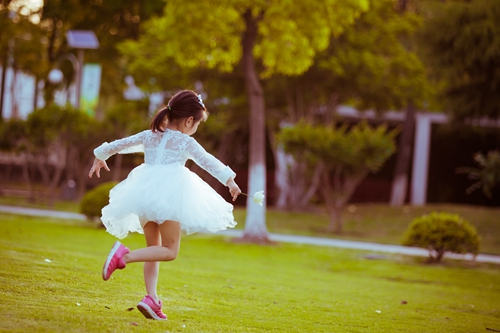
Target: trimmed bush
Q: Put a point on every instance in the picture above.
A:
(95, 200)
(441, 233)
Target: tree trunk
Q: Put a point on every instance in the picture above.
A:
(336, 223)
(35, 95)
(82, 172)
(2, 86)
(255, 224)
(281, 178)
(27, 178)
(400, 181)
(333, 203)
(13, 95)
(42, 167)
(58, 172)
(117, 167)
(337, 191)
(313, 188)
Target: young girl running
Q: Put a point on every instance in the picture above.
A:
(162, 197)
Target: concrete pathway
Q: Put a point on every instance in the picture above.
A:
(366, 246)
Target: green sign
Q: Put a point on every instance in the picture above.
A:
(91, 83)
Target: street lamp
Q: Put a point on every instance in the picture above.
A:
(56, 76)
(80, 40)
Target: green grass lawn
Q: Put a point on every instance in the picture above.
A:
(217, 285)
(364, 222)
(381, 223)
(62, 205)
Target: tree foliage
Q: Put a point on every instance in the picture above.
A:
(94, 200)
(345, 156)
(373, 65)
(111, 20)
(290, 33)
(22, 42)
(461, 40)
(441, 233)
(486, 175)
(61, 136)
(267, 38)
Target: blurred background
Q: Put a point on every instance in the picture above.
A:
(406, 92)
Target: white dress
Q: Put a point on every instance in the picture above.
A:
(163, 188)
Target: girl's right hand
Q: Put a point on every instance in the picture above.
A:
(96, 167)
(233, 188)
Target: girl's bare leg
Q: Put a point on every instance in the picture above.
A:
(151, 268)
(168, 234)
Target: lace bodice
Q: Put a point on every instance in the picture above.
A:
(165, 148)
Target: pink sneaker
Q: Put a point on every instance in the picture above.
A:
(150, 309)
(114, 260)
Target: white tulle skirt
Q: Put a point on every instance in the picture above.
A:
(165, 192)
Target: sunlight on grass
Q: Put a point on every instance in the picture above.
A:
(219, 286)
(380, 223)
(62, 205)
(377, 223)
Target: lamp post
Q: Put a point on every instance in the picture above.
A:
(80, 40)
(56, 76)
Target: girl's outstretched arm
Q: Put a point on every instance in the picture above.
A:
(96, 167)
(131, 144)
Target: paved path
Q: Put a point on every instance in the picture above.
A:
(366, 246)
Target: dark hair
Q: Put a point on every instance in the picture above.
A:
(183, 104)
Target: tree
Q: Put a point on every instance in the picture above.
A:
(58, 139)
(13, 140)
(266, 38)
(345, 157)
(461, 44)
(368, 66)
(440, 233)
(22, 48)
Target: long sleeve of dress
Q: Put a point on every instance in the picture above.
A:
(131, 144)
(208, 162)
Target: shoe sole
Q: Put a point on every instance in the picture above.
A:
(115, 248)
(148, 312)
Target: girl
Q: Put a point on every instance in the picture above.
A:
(162, 197)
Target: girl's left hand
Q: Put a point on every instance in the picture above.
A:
(96, 167)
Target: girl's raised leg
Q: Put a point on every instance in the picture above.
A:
(170, 232)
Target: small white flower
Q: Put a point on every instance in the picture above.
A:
(258, 197)
(378, 311)
(78, 304)
(48, 260)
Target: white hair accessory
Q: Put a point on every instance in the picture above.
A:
(200, 100)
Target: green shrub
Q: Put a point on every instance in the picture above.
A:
(440, 233)
(95, 200)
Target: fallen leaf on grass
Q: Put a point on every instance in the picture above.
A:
(134, 323)
(404, 302)
(130, 309)
(107, 307)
